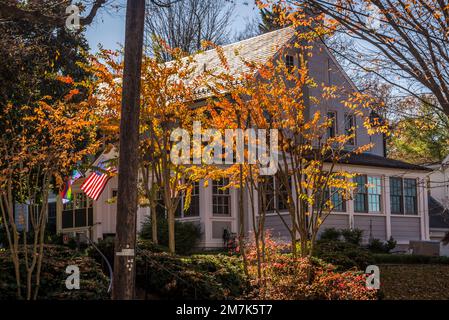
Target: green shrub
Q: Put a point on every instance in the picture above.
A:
(195, 277)
(343, 255)
(187, 234)
(93, 283)
(330, 234)
(106, 247)
(353, 236)
(409, 259)
(378, 246)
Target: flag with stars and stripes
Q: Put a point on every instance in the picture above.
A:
(97, 180)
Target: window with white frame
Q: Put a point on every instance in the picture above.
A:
(336, 198)
(374, 194)
(368, 194)
(403, 196)
(221, 198)
(193, 209)
(275, 193)
(77, 213)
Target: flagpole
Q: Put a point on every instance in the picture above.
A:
(124, 262)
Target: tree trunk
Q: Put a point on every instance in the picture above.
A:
(171, 229)
(242, 223)
(153, 221)
(124, 265)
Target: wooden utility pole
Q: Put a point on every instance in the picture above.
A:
(124, 262)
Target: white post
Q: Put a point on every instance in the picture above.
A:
(386, 204)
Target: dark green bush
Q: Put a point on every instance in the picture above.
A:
(378, 246)
(187, 234)
(409, 259)
(353, 236)
(330, 234)
(106, 247)
(93, 282)
(343, 254)
(196, 277)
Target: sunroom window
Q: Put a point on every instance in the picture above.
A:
(194, 208)
(368, 194)
(374, 194)
(77, 213)
(403, 196)
(276, 194)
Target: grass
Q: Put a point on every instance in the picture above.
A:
(414, 282)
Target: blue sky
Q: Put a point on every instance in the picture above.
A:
(108, 29)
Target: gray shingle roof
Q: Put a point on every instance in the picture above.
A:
(368, 159)
(257, 49)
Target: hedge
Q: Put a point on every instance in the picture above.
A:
(409, 259)
(93, 282)
(195, 277)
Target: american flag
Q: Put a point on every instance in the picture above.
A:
(95, 183)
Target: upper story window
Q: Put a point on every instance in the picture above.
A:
(276, 194)
(368, 194)
(77, 213)
(350, 128)
(332, 129)
(403, 196)
(194, 208)
(289, 61)
(221, 198)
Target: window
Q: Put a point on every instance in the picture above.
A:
(221, 198)
(361, 195)
(410, 200)
(194, 207)
(374, 194)
(276, 194)
(350, 128)
(77, 213)
(289, 61)
(396, 195)
(336, 198)
(403, 196)
(368, 194)
(332, 129)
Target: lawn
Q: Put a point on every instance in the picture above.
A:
(418, 281)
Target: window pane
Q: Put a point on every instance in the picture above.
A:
(360, 196)
(331, 131)
(374, 194)
(194, 208)
(220, 197)
(396, 195)
(410, 199)
(338, 202)
(350, 127)
(67, 219)
(282, 197)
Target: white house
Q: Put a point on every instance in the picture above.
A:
(439, 199)
(395, 202)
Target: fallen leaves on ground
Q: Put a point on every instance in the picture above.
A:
(414, 282)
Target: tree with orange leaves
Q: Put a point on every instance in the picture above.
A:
(168, 90)
(310, 182)
(39, 145)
